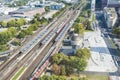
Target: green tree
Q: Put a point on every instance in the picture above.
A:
(16, 42)
(4, 47)
(61, 78)
(83, 53)
(11, 23)
(62, 70)
(37, 17)
(79, 28)
(74, 78)
(57, 58)
(22, 34)
(69, 70)
(53, 77)
(47, 9)
(79, 64)
(45, 77)
(3, 24)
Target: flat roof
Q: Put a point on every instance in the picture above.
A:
(26, 9)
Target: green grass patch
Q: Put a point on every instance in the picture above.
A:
(88, 30)
(93, 17)
(97, 77)
(19, 73)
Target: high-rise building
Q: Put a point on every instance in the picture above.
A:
(110, 16)
(113, 3)
(110, 3)
(104, 3)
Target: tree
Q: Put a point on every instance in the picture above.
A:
(53, 77)
(62, 70)
(57, 58)
(47, 9)
(4, 47)
(37, 17)
(69, 70)
(83, 53)
(79, 64)
(13, 31)
(89, 12)
(11, 23)
(45, 77)
(7, 35)
(61, 78)
(87, 24)
(3, 24)
(16, 22)
(79, 28)
(16, 42)
(56, 69)
(43, 20)
(21, 34)
(74, 78)
(80, 20)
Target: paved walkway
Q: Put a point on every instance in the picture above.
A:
(101, 59)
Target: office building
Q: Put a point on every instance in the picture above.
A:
(110, 16)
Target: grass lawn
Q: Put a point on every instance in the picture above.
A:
(93, 17)
(18, 73)
(90, 76)
(88, 30)
(96, 77)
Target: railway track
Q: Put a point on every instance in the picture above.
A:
(14, 69)
(7, 63)
(34, 64)
(54, 49)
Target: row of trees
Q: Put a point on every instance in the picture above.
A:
(15, 26)
(5, 37)
(37, 19)
(81, 24)
(67, 65)
(58, 13)
(86, 11)
(54, 77)
(13, 23)
(4, 47)
(35, 23)
(29, 30)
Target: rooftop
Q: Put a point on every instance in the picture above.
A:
(111, 12)
(25, 9)
(113, 1)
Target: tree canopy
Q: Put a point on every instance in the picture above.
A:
(79, 28)
(65, 65)
(83, 53)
